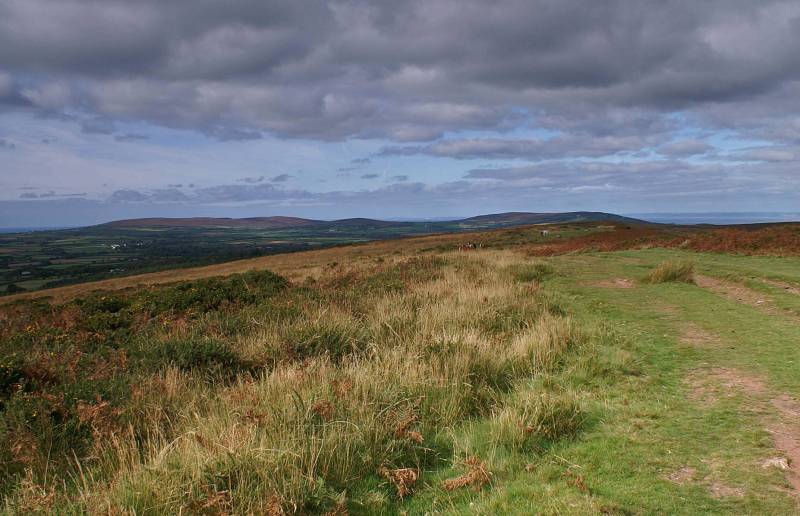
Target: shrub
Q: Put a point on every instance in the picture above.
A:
(671, 272)
(102, 302)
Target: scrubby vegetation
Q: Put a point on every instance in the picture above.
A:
(671, 272)
(386, 379)
(248, 394)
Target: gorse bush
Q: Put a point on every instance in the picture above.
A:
(671, 272)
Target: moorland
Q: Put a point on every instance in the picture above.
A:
(44, 259)
(602, 367)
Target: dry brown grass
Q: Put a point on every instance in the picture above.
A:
(425, 349)
(476, 476)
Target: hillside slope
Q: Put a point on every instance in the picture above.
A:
(491, 220)
(414, 377)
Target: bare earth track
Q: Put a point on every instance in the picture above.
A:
(741, 294)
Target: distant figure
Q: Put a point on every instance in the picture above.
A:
(544, 232)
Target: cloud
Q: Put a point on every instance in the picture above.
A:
(685, 148)
(131, 137)
(770, 154)
(122, 196)
(251, 180)
(529, 149)
(578, 95)
(167, 195)
(626, 186)
(49, 195)
(98, 125)
(409, 71)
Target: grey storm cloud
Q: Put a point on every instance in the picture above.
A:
(280, 178)
(405, 71)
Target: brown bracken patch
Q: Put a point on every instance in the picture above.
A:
(324, 409)
(403, 479)
(476, 476)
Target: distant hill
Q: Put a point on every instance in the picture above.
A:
(521, 218)
(251, 222)
(493, 220)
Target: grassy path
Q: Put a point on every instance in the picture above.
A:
(698, 434)
(710, 424)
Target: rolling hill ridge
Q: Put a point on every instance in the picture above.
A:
(490, 220)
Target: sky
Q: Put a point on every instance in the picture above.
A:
(116, 109)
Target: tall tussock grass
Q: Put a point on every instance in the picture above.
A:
(337, 394)
(671, 272)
